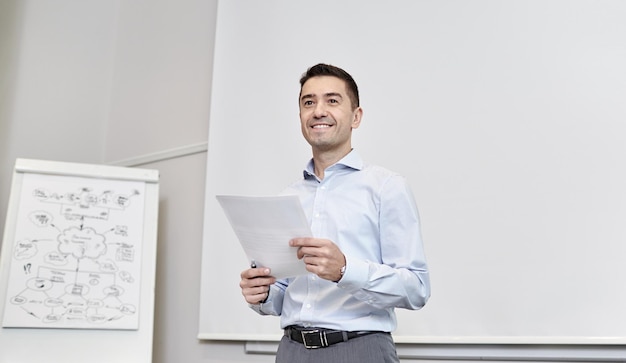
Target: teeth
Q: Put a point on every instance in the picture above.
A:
(320, 126)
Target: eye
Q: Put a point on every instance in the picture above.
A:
(307, 103)
(332, 100)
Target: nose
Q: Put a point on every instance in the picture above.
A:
(320, 110)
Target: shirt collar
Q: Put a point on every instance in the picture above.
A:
(352, 160)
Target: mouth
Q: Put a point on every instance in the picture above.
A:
(320, 125)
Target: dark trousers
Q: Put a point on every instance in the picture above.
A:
(372, 348)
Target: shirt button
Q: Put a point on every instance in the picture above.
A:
(308, 306)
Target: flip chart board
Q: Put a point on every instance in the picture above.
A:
(78, 261)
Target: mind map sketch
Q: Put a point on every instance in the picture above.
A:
(76, 257)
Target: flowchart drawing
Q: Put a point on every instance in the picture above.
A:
(76, 259)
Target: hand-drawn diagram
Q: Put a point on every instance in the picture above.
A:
(76, 257)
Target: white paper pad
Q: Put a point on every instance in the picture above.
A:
(264, 226)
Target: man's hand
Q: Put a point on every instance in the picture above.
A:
(321, 257)
(255, 284)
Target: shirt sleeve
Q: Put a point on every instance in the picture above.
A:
(402, 279)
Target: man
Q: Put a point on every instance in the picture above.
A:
(366, 257)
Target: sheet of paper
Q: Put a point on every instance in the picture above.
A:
(264, 226)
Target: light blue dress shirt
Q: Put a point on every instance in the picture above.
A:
(370, 213)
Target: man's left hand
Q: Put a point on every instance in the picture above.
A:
(321, 257)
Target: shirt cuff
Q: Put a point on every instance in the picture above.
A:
(356, 275)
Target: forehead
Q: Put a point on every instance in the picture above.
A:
(321, 85)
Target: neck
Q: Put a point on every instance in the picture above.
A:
(322, 160)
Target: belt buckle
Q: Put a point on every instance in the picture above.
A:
(321, 335)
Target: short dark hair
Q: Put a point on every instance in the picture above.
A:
(329, 70)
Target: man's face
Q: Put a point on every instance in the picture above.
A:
(326, 114)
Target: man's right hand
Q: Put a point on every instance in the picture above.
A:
(255, 284)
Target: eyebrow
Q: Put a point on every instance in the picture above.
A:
(326, 95)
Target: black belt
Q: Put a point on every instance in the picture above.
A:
(320, 337)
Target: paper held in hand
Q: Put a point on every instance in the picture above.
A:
(264, 226)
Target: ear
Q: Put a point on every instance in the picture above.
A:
(358, 114)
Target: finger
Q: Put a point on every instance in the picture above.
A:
(261, 299)
(300, 254)
(263, 282)
(255, 299)
(310, 260)
(256, 294)
(255, 272)
(255, 291)
(310, 251)
(320, 262)
(303, 241)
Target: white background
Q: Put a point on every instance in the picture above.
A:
(506, 117)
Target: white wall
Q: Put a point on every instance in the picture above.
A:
(505, 118)
(56, 75)
(162, 79)
(110, 80)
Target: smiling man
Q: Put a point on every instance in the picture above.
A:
(366, 258)
(328, 113)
